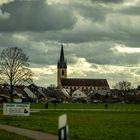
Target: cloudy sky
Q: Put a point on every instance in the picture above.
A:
(101, 37)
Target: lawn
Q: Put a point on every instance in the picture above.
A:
(122, 123)
(87, 106)
(4, 135)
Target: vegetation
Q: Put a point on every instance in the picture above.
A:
(4, 135)
(13, 68)
(54, 92)
(123, 88)
(101, 124)
(123, 85)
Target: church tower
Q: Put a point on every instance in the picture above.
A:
(61, 68)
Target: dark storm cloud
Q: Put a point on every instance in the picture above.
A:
(118, 32)
(101, 23)
(35, 16)
(108, 1)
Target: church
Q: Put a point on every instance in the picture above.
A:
(87, 86)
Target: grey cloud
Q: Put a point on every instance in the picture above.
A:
(105, 24)
(39, 54)
(100, 53)
(42, 57)
(94, 12)
(107, 1)
(119, 33)
(133, 10)
(35, 16)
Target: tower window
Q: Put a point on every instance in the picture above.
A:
(63, 72)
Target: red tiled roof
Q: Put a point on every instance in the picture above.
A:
(85, 82)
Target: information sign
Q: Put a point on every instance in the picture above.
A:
(17, 109)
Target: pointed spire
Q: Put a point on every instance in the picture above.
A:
(62, 54)
(62, 61)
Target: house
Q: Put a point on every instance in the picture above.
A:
(40, 92)
(79, 94)
(21, 93)
(4, 93)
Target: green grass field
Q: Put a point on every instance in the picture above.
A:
(4, 135)
(87, 106)
(122, 123)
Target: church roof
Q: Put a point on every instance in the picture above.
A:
(85, 82)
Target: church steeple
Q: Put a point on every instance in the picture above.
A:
(61, 68)
(62, 62)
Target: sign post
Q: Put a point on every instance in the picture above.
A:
(63, 128)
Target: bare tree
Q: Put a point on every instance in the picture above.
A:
(123, 86)
(13, 68)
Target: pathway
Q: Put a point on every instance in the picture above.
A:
(29, 133)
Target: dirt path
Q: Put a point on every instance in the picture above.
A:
(29, 133)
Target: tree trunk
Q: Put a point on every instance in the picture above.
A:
(11, 93)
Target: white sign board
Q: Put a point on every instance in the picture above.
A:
(63, 128)
(17, 109)
(62, 121)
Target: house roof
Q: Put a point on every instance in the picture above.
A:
(85, 82)
(19, 92)
(30, 93)
(4, 91)
(65, 93)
